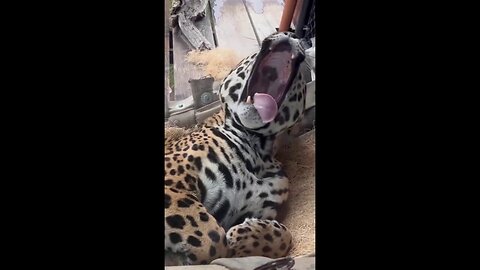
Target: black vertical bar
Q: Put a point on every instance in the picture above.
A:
(303, 18)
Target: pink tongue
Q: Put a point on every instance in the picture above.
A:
(266, 106)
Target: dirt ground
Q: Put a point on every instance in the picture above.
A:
(298, 159)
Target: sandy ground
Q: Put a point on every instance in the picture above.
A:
(298, 159)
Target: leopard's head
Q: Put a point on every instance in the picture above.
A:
(265, 93)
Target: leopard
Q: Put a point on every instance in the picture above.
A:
(223, 186)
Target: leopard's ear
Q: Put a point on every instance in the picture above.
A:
(214, 120)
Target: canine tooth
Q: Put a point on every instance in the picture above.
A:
(249, 100)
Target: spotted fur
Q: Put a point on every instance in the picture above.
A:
(222, 177)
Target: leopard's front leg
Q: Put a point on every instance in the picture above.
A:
(272, 189)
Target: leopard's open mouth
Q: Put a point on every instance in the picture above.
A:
(272, 75)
